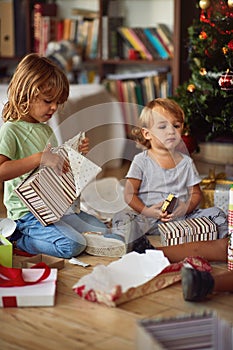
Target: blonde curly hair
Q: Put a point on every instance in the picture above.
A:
(33, 75)
(146, 119)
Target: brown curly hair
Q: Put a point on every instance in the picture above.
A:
(33, 75)
(146, 119)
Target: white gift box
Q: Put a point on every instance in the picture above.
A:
(40, 294)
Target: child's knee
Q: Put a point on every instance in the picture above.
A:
(73, 248)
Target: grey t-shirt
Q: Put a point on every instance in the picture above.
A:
(157, 182)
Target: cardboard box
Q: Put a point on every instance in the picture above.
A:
(206, 331)
(40, 294)
(50, 261)
(120, 281)
(188, 230)
(6, 251)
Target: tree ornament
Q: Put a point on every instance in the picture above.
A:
(204, 4)
(203, 71)
(203, 35)
(191, 88)
(230, 45)
(189, 141)
(230, 3)
(226, 81)
(225, 50)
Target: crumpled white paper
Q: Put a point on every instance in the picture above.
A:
(132, 270)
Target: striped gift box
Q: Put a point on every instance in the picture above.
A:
(188, 230)
(48, 195)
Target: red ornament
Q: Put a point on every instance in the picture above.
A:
(230, 45)
(226, 81)
(190, 143)
(203, 35)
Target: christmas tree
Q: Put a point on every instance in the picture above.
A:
(207, 98)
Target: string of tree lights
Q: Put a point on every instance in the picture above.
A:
(207, 98)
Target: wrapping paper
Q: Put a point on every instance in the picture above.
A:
(131, 277)
(230, 231)
(49, 196)
(188, 230)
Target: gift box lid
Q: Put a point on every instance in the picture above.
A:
(206, 330)
(41, 294)
(50, 261)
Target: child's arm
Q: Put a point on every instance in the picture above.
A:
(131, 197)
(10, 169)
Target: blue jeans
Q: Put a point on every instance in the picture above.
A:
(62, 239)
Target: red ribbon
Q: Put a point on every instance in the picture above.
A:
(13, 277)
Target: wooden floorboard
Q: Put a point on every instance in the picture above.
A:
(74, 323)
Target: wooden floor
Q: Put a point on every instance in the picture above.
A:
(74, 323)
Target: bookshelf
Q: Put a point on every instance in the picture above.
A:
(177, 14)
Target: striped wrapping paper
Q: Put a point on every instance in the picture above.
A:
(48, 195)
(230, 231)
(188, 230)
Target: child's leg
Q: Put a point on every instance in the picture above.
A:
(131, 227)
(223, 282)
(215, 214)
(58, 239)
(215, 250)
(84, 222)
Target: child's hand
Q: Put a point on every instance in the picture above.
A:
(54, 161)
(180, 210)
(84, 147)
(154, 211)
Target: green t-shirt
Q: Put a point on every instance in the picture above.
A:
(20, 139)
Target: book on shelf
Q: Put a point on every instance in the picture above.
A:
(166, 35)
(135, 89)
(20, 25)
(43, 15)
(142, 36)
(59, 30)
(7, 29)
(112, 46)
(134, 42)
(152, 35)
(67, 28)
(94, 40)
(84, 31)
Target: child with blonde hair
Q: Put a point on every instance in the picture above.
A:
(160, 169)
(37, 88)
